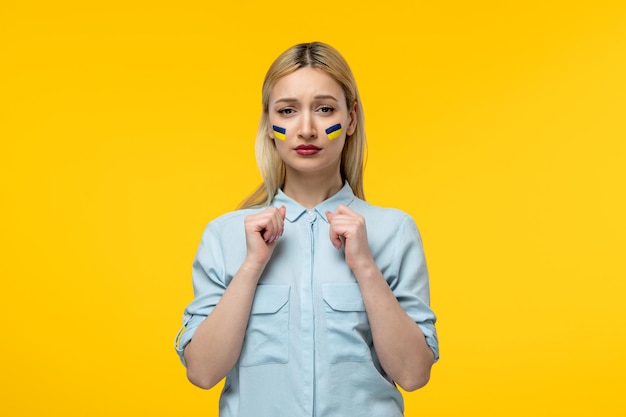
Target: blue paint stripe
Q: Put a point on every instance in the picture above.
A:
(333, 128)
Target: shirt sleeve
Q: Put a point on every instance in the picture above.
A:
(410, 283)
(208, 286)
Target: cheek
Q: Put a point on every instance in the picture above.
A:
(334, 131)
(279, 132)
(281, 147)
(336, 146)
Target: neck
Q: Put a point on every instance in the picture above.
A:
(310, 191)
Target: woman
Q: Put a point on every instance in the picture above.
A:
(304, 309)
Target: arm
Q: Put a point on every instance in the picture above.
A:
(217, 342)
(399, 342)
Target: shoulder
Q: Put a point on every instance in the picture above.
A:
(229, 222)
(236, 215)
(387, 215)
(387, 222)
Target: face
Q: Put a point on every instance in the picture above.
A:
(309, 121)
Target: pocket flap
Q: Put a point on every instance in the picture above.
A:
(269, 299)
(343, 297)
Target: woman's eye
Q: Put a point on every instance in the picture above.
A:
(326, 109)
(285, 112)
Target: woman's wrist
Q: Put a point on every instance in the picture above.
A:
(253, 266)
(364, 267)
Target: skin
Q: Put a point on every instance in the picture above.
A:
(305, 103)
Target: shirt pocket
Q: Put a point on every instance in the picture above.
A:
(347, 327)
(267, 334)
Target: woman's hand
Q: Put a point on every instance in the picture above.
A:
(216, 344)
(399, 342)
(347, 228)
(262, 231)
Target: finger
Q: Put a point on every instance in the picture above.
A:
(335, 238)
(276, 226)
(262, 224)
(282, 212)
(277, 222)
(256, 223)
(266, 233)
(270, 227)
(343, 209)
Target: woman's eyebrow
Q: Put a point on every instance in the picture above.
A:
(286, 100)
(325, 97)
(295, 100)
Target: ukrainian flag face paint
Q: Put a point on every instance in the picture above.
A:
(279, 132)
(334, 131)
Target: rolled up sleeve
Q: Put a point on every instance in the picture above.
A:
(410, 283)
(208, 286)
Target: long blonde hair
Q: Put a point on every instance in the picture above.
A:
(321, 56)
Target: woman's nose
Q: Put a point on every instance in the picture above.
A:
(307, 127)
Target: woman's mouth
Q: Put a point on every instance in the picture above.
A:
(307, 149)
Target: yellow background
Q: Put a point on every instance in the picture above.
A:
(500, 126)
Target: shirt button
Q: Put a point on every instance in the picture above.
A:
(310, 213)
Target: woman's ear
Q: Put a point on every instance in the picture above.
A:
(353, 120)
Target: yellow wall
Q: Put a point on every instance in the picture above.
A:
(126, 126)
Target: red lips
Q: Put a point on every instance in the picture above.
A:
(307, 149)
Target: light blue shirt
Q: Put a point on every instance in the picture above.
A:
(308, 347)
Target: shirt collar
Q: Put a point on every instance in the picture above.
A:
(295, 210)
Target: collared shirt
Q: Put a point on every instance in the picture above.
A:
(308, 347)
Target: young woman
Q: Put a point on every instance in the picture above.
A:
(310, 301)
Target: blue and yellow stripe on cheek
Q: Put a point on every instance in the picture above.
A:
(279, 132)
(334, 131)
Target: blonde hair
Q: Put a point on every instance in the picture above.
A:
(321, 56)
